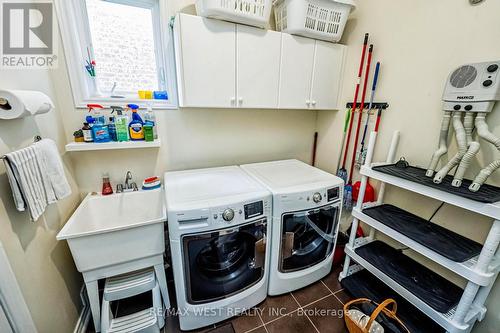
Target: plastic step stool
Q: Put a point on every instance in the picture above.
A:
(124, 286)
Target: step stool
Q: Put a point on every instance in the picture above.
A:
(128, 285)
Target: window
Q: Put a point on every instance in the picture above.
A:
(131, 44)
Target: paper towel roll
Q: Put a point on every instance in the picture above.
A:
(22, 103)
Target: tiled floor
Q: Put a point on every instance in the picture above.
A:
(317, 308)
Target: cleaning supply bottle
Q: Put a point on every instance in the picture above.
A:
(150, 120)
(112, 129)
(87, 133)
(107, 189)
(121, 124)
(136, 126)
(100, 130)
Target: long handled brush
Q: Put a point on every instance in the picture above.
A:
(362, 152)
(348, 188)
(346, 123)
(342, 172)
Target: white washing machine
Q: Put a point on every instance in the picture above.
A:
(218, 223)
(307, 204)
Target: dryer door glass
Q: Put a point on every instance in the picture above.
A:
(222, 263)
(308, 237)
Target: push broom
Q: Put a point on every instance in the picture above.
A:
(342, 172)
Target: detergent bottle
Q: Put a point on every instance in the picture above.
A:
(136, 126)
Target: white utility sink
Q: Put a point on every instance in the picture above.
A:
(117, 234)
(107, 230)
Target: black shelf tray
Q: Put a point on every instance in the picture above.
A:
(441, 240)
(437, 292)
(487, 193)
(363, 284)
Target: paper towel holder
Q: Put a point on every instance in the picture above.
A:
(4, 104)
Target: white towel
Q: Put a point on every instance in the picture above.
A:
(54, 167)
(28, 178)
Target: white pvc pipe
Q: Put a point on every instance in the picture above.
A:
(359, 204)
(390, 159)
(465, 303)
(443, 144)
(490, 247)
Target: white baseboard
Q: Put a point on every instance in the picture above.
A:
(84, 318)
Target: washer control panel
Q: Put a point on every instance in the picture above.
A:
(239, 213)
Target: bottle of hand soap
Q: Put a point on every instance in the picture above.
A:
(136, 126)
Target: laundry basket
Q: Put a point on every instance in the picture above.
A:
(318, 19)
(251, 12)
(357, 327)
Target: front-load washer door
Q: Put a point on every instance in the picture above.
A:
(222, 263)
(308, 237)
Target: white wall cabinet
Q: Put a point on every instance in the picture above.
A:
(311, 73)
(226, 65)
(206, 62)
(258, 67)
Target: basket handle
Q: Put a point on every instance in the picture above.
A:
(354, 301)
(379, 309)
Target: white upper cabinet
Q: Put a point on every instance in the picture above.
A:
(225, 65)
(327, 75)
(206, 62)
(258, 67)
(297, 60)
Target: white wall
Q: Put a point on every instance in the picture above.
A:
(419, 43)
(43, 266)
(192, 138)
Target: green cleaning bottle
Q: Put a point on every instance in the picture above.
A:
(121, 124)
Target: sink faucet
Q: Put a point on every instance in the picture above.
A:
(127, 186)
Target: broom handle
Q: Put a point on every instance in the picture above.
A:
(354, 104)
(346, 123)
(363, 96)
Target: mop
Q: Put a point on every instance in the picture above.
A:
(348, 188)
(342, 172)
(346, 123)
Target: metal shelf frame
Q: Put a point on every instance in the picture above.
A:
(480, 272)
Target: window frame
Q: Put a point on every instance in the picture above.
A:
(76, 37)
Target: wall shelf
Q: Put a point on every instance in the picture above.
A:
(83, 146)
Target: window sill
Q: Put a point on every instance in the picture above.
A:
(107, 102)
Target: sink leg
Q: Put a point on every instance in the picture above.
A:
(93, 294)
(162, 281)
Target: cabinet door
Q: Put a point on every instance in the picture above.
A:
(258, 67)
(206, 62)
(297, 54)
(327, 75)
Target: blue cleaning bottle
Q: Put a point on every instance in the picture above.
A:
(136, 126)
(100, 130)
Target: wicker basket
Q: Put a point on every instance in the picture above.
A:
(353, 327)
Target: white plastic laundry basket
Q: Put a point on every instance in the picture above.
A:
(318, 19)
(251, 12)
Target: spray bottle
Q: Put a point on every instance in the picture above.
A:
(121, 124)
(136, 126)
